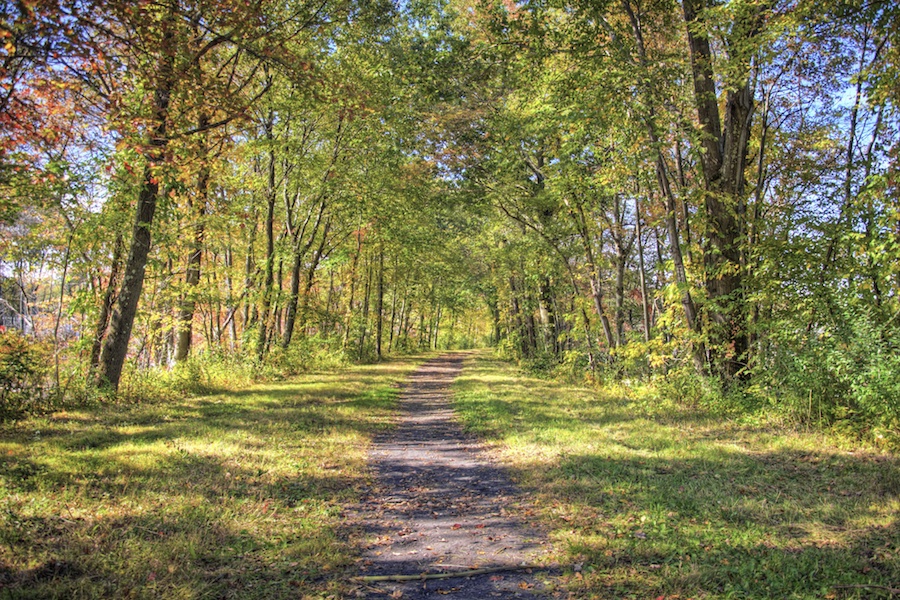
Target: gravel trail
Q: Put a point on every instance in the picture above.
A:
(440, 506)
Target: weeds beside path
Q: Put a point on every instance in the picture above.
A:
(234, 495)
(650, 500)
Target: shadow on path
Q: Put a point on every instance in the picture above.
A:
(439, 506)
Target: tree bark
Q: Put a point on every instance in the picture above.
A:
(645, 304)
(594, 277)
(115, 347)
(300, 251)
(723, 161)
(698, 351)
(109, 298)
(548, 317)
(379, 305)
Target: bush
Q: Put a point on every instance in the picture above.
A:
(303, 354)
(848, 372)
(23, 369)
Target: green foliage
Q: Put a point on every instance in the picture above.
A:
(24, 364)
(305, 354)
(847, 373)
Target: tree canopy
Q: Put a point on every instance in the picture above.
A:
(618, 190)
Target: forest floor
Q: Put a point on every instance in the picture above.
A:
(646, 498)
(298, 488)
(236, 494)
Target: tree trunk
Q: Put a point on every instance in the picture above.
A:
(192, 275)
(594, 276)
(519, 322)
(364, 318)
(393, 320)
(645, 304)
(269, 280)
(723, 161)
(662, 178)
(548, 317)
(109, 297)
(300, 252)
(379, 305)
(249, 274)
(115, 347)
(311, 278)
(354, 266)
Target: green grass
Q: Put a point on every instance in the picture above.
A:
(235, 495)
(645, 499)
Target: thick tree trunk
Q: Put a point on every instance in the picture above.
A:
(115, 347)
(723, 161)
(548, 318)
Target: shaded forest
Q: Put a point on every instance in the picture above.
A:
(700, 195)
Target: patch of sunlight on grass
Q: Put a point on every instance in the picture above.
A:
(236, 494)
(657, 499)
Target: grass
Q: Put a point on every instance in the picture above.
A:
(645, 499)
(234, 495)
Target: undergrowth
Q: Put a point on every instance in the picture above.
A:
(650, 492)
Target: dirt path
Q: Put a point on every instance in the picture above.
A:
(439, 505)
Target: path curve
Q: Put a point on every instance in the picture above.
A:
(439, 505)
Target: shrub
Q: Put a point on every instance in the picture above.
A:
(847, 372)
(23, 370)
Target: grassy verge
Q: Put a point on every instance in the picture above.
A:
(650, 500)
(234, 495)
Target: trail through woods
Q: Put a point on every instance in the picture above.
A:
(440, 506)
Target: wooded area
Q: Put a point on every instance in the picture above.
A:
(700, 192)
